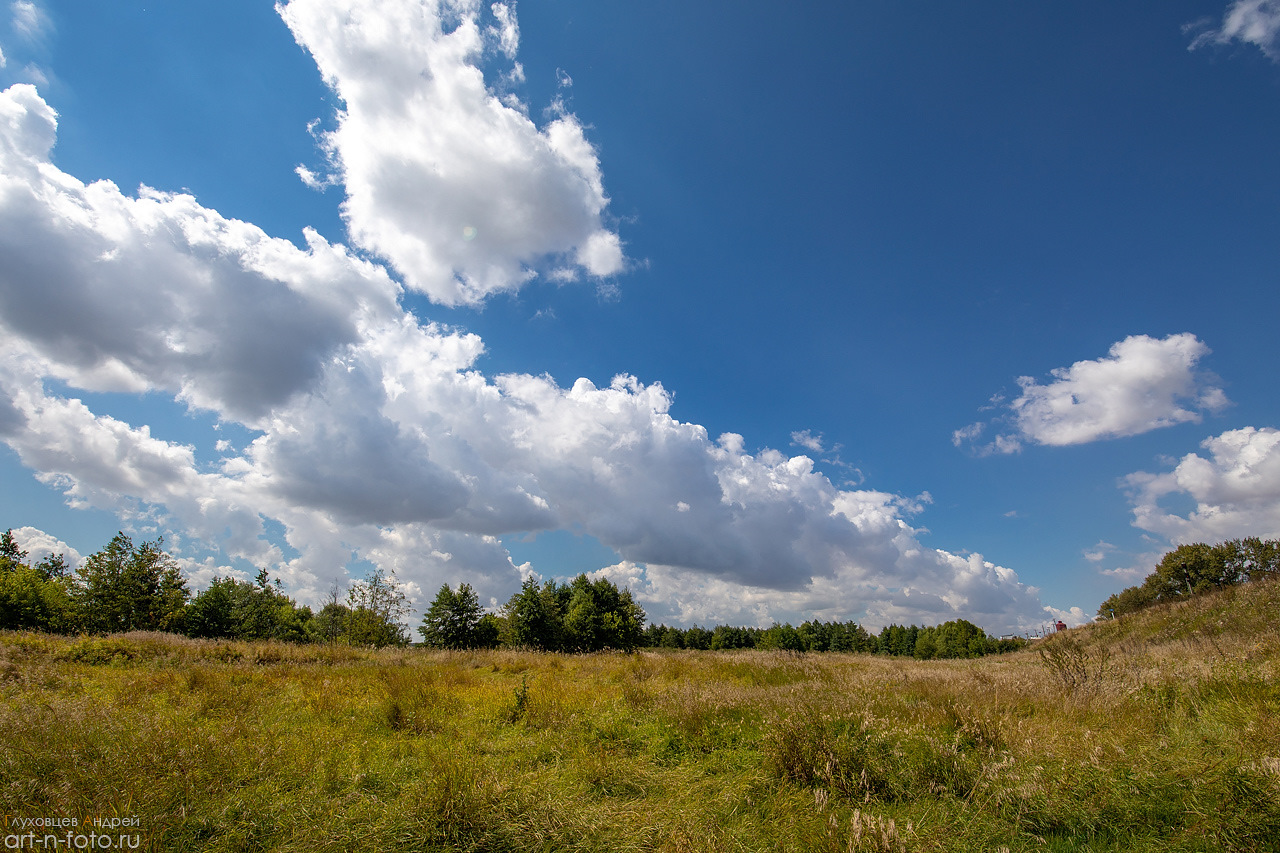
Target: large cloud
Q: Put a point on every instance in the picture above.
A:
(449, 181)
(159, 293)
(1235, 491)
(1142, 384)
(376, 437)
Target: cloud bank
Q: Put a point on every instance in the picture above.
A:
(1142, 384)
(372, 434)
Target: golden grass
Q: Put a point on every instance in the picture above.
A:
(1169, 742)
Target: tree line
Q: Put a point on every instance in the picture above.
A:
(1193, 569)
(585, 615)
(955, 639)
(139, 587)
(129, 587)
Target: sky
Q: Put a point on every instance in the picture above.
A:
(897, 313)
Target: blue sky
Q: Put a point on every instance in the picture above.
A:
(882, 311)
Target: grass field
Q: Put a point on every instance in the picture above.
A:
(1160, 731)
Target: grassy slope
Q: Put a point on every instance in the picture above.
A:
(1160, 731)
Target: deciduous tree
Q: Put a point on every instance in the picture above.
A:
(125, 587)
(377, 607)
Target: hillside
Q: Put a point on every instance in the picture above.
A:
(1241, 615)
(1153, 732)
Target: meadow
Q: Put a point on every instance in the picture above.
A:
(1159, 731)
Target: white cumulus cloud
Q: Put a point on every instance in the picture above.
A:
(451, 183)
(155, 292)
(39, 545)
(1142, 384)
(1234, 490)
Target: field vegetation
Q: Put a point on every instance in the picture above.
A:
(1151, 732)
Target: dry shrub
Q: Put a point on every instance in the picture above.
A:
(1080, 669)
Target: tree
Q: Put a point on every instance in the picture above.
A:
(54, 566)
(211, 612)
(1186, 571)
(897, 640)
(377, 607)
(959, 639)
(488, 631)
(731, 637)
(1128, 600)
(29, 601)
(328, 625)
(1192, 569)
(127, 588)
(453, 620)
(670, 638)
(697, 638)
(926, 647)
(1250, 559)
(599, 616)
(11, 556)
(534, 616)
(33, 597)
(247, 611)
(783, 637)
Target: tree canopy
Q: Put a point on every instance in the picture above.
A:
(455, 620)
(1197, 568)
(125, 587)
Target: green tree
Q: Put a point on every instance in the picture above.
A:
(670, 638)
(534, 616)
(926, 647)
(1192, 569)
(453, 620)
(1188, 570)
(11, 556)
(29, 601)
(598, 616)
(1250, 559)
(732, 637)
(1128, 600)
(584, 625)
(959, 639)
(212, 612)
(247, 611)
(34, 597)
(377, 607)
(330, 623)
(897, 640)
(783, 637)
(487, 631)
(125, 587)
(698, 638)
(54, 566)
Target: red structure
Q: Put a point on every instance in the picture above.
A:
(1060, 625)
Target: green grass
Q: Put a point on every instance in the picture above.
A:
(1169, 741)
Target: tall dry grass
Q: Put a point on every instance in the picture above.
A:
(1157, 732)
